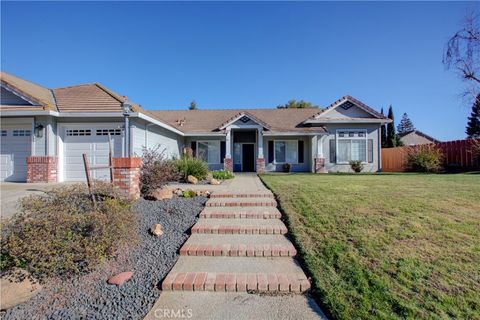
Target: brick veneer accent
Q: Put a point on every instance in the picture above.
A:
(228, 164)
(260, 165)
(238, 250)
(236, 229)
(253, 202)
(241, 214)
(42, 169)
(126, 175)
(319, 165)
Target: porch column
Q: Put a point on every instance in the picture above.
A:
(228, 162)
(260, 163)
(320, 158)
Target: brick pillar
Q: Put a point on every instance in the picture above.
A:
(126, 175)
(228, 164)
(42, 169)
(319, 165)
(260, 165)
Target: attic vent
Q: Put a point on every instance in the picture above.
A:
(347, 105)
(244, 119)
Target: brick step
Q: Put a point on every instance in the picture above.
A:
(238, 245)
(260, 194)
(240, 226)
(236, 282)
(241, 202)
(241, 213)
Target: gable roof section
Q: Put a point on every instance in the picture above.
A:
(421, 134)
(40, 97)
(205, 121)
(242, 114)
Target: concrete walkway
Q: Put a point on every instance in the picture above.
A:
(237, 264)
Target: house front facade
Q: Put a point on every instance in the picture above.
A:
(55, 127)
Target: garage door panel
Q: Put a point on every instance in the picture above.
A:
(14, 150)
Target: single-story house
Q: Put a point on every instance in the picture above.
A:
(60, 125)
(416, 137)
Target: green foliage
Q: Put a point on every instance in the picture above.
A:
(189, 194)
(383, 130)
(60, 233)
(391, 135)
(156, 171)
(193, 105)
(405, 125)
(473, 124)
(294, 104)
(189, 166)
(424, 158)
(356, 165)
(222, 174)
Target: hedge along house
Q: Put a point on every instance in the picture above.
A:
(52, 128)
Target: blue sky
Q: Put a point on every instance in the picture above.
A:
(246, 55)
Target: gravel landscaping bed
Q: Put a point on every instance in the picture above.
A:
(89, 296)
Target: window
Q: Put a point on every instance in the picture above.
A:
(351, 145)
(286, 151)
(79, 132)
(4, 133)
(105, 132)
(22, 133)
(208, 151)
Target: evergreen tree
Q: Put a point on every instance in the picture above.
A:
(193, 105)
(391, 135)
(383, 130)
(473, 124)
(405, 125)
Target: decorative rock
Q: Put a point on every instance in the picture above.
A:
(214, 182)
(179, 192)
(162, 194)
(156, 230)
(120, 278)
(15, 291)
(192, 180)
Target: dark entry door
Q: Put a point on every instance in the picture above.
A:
(248, 157)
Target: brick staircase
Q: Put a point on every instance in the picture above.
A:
(238, 245)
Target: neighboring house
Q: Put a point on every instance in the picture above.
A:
(59, 125)
(416, 137)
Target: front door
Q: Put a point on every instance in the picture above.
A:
(248, 157)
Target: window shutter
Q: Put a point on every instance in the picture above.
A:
(370, 150)
(270, 151)
(333, 152)
(300, 151)
(193, 145)
(223, 150)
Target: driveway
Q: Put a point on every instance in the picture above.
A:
(11, 192)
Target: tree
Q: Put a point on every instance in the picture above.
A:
(391, 135)
(294, 104)
(405, 125)
(462, 53)
(473, 124)
(383, 130)
(193, 105)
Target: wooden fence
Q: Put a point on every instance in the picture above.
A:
(457, 154)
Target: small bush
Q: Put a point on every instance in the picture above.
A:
(286, 167)
(222, 174)
(60, 233)
(156, 171)
(356, 166)
(189, 194)
(424, 158)
(188, 166)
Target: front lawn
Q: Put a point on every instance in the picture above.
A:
(387, 246)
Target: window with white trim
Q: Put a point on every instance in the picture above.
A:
(286, 151)
(351, 145)
(22, 133)
(79, 132)
(209, 151)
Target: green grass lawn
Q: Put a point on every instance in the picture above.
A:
(387, 246)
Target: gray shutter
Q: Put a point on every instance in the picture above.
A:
(333, 152)
(370, 150)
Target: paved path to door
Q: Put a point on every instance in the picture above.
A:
(237, 264)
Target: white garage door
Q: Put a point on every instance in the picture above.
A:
(94, 142)
(16, 144)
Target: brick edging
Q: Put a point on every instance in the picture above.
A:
(235, 229)
(240, 250)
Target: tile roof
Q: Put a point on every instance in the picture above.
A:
(421, 134)
(197, 121)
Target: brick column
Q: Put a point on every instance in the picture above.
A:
(319, 165)
(126, 175)
(260, 165)
(42, 169)
(228, 164)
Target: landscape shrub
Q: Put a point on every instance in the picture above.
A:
(188, 166)
(222, 174)
(424, 158)
(189, 194)
(356, 166)
(60, 233)
(156, 171)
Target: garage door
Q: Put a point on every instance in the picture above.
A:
(94, 142)
(16, 144)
